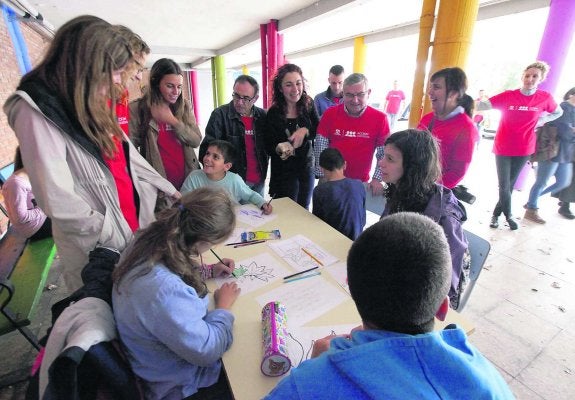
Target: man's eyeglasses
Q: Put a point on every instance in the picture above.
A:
(245, 99)
(351, 96)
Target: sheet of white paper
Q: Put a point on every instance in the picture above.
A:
(255, 272)
(339, 273)
(305, 299)
(301, 340)
(291, 250)
(251, 215)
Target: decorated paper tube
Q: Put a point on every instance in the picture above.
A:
(276, 360)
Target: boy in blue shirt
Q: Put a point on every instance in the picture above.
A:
(399, 274)
(217, 161)
(339, 201)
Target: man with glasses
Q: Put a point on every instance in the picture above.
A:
(333, 95)
(357, 131)
(236, 123)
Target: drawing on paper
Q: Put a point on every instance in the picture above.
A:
(253, 271)
(253, 216)
(301, 253)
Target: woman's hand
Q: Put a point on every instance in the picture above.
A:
(376, 187)
(226, 296)
(225, 269)
(162, 113)
(298, 137)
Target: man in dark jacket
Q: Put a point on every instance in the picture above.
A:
(237, 123)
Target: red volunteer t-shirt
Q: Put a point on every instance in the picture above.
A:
(519, 114)
(394, 99)
(355, 138)
(253, 174)
(457, 137)
(123, 112)
(172, 153)
(124, 185)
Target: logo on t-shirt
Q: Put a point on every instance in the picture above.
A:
(337, 132)
(249, 132)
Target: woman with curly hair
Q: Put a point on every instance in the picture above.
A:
(290, 128)
(161, 300)
(411, 167)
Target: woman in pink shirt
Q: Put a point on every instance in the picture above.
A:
(26, 218)
(521, 111)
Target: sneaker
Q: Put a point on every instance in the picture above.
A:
(494, 222)
(532, 215)
(512, 224)
(565, 211)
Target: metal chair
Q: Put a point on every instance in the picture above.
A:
(479, 250)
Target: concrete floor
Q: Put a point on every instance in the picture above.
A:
(523, 305)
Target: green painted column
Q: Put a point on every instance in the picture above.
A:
(219, 69)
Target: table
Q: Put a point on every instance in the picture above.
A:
(242, 361)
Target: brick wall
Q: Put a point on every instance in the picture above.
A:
(10, 76)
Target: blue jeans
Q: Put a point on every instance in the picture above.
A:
(508, 169)
(257, 187)
(546, 169)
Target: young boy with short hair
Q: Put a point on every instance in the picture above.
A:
(217, 161)
(399, 274)
(339, 201)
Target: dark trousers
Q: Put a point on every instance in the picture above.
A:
(44, 232)
(508, 169)
(218, 391)
(298, 186)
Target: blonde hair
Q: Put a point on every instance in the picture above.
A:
(540, 65)
(78, 65)
(138, 47)
(203, 215)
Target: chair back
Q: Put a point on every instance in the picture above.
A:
(479, 250)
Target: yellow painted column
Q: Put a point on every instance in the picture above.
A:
(453, 34)
(245, 70)
(220, 78)
(359, 55)
(214, 85)
(417, 94)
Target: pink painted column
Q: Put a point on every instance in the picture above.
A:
(195, 95)
(556, 41)
(264, 50)
(280, 51)
(272, 56)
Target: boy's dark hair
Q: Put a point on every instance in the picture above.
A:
(228, 150)
(331, 159)
(336, 70)
(18, 163)
(399, 273)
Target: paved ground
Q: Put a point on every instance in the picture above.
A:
(523, 306)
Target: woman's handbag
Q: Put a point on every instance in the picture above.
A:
(547, 143)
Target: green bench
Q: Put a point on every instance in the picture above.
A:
(24, 268)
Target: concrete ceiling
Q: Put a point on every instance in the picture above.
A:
(193, 31)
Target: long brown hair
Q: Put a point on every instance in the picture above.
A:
(303, 105)
(205, 214)
(78, 65)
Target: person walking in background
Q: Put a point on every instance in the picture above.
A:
(68, 133)
(26, 218)
(521, 110)
(333, 95)
(163, 125)
(290, 128)
(450, 122)
(559, 166)
(239, 123)
(394, 101)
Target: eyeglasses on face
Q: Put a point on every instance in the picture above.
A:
(359, 95)
(246, 99)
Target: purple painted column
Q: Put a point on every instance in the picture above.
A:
(556, 40)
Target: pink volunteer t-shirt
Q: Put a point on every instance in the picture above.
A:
(394, 99)
(253, 174)
(355, 138)
(519, 114)
(172, 153)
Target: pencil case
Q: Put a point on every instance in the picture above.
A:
(261, 235)
(276, 360)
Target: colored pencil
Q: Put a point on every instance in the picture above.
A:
(299, 273)
(218, 257)
(312, 256)
(248, 243)
(269, 202)
(302, 277)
